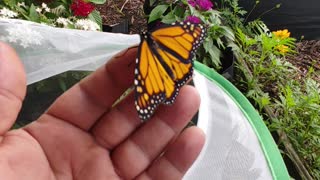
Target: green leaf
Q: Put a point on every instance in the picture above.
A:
(10, 3)
(71, 26)
(59, 10)
(213, 51)
(169, 18)
(157, 12)
(265, 100)
(242, 12)
(62, 84)
(152, 2)
(228, 33)
(33, 14)
(95, 17)
(179, 11)
(51, 16)
(289, 97)
(22, 11)
(44, 19)
(64, 1)
(97, 1)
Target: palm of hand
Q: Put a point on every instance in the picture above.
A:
(82, 136)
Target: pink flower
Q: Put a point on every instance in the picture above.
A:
(193, 19)
(81, 8)
(203, 5)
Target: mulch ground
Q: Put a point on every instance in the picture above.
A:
(116, 11)
(307, 57)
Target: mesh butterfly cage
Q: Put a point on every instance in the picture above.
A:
(238, 144)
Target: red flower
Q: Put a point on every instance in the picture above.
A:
(81, 8)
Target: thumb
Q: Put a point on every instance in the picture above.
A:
(12, 87)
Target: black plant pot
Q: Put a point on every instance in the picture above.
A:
(227, 64)
(122, 27)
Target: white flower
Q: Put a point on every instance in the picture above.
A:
(44, 5)
(47, 9)
(38, 10)
(22, 4)
(6, 13)
(87, 25)
(63, 21)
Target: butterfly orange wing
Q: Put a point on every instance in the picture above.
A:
(164, 64)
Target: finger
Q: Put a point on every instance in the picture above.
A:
(116, 125)
(178, 158)
(12, 86)
(137, 152)
(85, 102)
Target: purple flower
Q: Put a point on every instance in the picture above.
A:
(192, 3)
(203, 5)
(193, 19)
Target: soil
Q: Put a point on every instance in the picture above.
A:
(308, 56)
(116, 11)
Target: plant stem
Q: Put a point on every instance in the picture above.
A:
(266, 12)
(254, 7)
(301, 168)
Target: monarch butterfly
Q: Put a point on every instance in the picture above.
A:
(164, 64)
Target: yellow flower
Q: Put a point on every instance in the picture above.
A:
(283, 49)
(282, 34)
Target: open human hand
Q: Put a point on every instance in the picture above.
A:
(83, 137)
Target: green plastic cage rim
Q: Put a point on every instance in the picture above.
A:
(268, 146)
